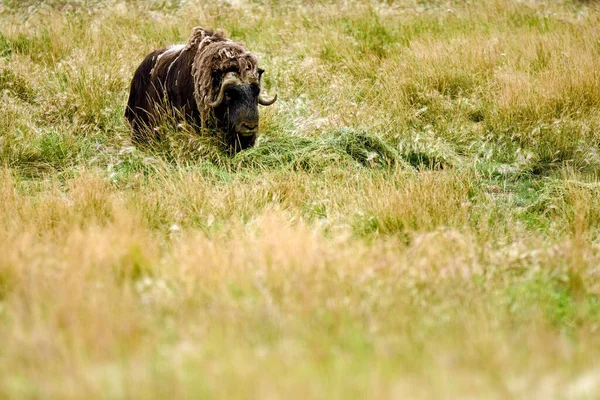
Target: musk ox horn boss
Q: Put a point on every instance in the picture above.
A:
(211, 82)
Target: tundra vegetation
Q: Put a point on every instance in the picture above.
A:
(419, 219)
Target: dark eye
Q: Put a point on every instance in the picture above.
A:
(230, 95)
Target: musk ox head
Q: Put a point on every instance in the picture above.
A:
(227, 87)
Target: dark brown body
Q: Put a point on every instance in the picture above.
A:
(210, 82)
(151, 94)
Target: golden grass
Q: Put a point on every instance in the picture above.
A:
(420, 219)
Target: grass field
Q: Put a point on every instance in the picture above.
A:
(419, 220)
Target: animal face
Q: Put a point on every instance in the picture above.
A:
(236, 110)
(237, 115)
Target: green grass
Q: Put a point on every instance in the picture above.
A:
(419, 218)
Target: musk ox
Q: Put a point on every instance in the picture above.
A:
(211, 82)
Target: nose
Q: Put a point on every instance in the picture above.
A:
(249, 126)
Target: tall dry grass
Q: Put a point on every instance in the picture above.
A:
(419, 218)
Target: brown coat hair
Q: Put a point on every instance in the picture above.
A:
(188, 78)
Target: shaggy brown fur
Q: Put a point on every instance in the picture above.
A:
(188, 78)
(216, 53)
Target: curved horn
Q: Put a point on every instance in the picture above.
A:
(265, 102)
(226, 83)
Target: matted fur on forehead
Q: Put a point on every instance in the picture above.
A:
(218, 55)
